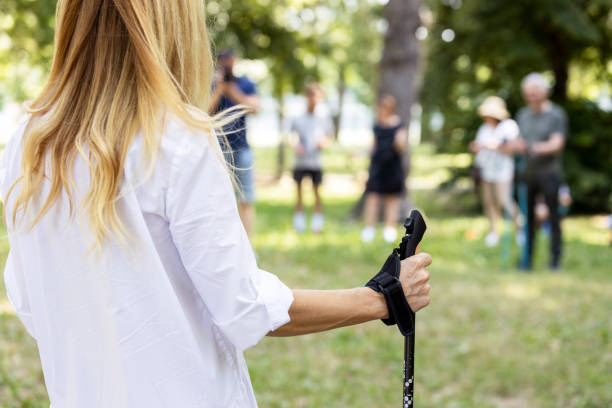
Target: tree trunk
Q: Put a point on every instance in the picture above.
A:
(400, 60)
(280, 157)
(559, 59)
(399, 68)
(337, 118)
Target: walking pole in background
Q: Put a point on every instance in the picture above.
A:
(522, 195)
(506, 241)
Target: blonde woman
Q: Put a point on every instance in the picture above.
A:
(128, 263)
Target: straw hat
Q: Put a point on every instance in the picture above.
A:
(494, 107)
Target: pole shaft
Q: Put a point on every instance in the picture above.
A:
(408, 398)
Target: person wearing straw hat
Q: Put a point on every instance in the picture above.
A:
(496, 165)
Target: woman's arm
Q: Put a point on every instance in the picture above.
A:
(252, 101)
(400, 141)
(320, 310)
(217, 93)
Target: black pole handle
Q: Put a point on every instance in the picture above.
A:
(415, 229)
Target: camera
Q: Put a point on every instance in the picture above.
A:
(228, 75)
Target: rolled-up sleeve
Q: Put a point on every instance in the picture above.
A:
(244, 301)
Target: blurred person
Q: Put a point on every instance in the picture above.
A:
(229, 91)
(128, 261)
(565, 201)
(314, 131)
(544, 129)
(542, 214)
(386, 175)
(495, 163)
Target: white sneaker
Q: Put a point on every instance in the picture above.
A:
(368, 234)
(299, 221)
(316, 224)
(492, 239)
(390, 234)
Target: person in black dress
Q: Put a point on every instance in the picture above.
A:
(386, 179)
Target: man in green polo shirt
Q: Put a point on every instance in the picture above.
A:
(544, 129)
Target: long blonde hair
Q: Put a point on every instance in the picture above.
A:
(118, 66)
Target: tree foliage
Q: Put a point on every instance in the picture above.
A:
(496, 43)
(401, 55)
(299, 40)
(26, 46)
(335, 42)
(302, 40)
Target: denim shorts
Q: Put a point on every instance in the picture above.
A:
(243, 171)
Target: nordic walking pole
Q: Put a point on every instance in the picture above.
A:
(415, 228)
(387, 282)
(506, 242)
(522, 194)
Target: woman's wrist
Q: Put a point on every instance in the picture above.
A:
(374, 302)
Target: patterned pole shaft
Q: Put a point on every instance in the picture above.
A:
(408, 399)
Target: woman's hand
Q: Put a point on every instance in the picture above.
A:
(474, 147)
(414, 278)
(400, 141)
(319, 310)
(517, 146)
(299, 149)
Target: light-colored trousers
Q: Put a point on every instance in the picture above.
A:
(497, 200)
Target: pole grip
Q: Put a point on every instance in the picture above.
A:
(415, 229)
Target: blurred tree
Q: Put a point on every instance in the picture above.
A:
(302, 41)
(588, 157)
(481, 47)
(349, 45)
(262, 33)
(26, 46)
(299, 40)
(401, 56)
(487, 46)
(399, 67)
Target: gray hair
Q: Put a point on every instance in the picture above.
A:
(535, 78)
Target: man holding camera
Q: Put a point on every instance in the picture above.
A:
(230, 90)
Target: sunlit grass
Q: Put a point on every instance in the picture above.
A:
(492, 337)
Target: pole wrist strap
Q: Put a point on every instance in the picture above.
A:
(387, 282)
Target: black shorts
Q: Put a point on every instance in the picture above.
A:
(315, 175)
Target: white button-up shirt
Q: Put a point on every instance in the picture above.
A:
(162, 320)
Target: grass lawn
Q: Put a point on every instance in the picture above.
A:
(492, 337)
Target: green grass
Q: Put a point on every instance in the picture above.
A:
(492, 337)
